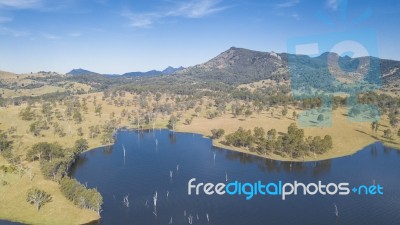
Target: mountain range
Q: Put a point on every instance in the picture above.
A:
(239, 65)
(167, 71)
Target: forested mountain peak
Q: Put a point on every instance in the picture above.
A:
(240, 65)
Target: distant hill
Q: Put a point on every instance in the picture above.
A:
(138, 74)
(169, 70)
(76, 72)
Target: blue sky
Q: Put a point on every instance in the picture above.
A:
(117, 36)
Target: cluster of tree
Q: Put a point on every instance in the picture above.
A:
(386, 103)
(278, 95)
(38, 126)
(58, 130)
(94, 131)
(387, 134)
(293, 143)
(27, 113)
(240, 138)
(8, 169)
(73, 108)
(55, 162)
(174, 85)
(5, 145)
(54, 96)
(47, 109)
(393, 121)
(15, 86)
(99, 82)
(212, 114)
(97, 110)
(5, 142)
(109, 128)
(44, 118)
(339, 101)
(80, 195)
(317, 100)
(217, 133)
(243, 109)
(309, 103)
(374, 126)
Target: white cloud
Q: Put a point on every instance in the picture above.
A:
(4, 19)
(197, 8)
(43, 5)
(141, 20)
(11, 32)
(188, 9)
(20, 4)
(287, 4)
(96, 29)
(51, 36)
(295, 16)
(282, 9)
(333, 4)
(75, 34)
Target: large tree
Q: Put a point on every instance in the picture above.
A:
(37, 197)
(81, 145)
(172, 122)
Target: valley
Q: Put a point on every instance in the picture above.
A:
(240, 89)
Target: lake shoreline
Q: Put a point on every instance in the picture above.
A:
(218, 144)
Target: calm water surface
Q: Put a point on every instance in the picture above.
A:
(151, 156)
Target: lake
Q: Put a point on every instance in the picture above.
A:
(162, 161)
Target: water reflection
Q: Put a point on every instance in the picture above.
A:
(172, 137)
(108, 149)
(269, 165)
(322, 167)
